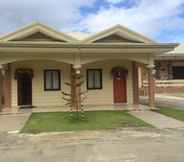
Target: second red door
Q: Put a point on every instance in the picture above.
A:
(120, 94)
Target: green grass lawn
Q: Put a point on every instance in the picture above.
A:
(171, 112)
(94, 120)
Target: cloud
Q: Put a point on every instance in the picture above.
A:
(147, 16)
(57, 13)
(161, 20)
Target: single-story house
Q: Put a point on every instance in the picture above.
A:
(37, 60)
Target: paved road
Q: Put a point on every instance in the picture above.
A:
(128, 145)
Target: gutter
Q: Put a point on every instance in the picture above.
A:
(170, 46)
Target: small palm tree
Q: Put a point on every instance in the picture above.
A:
(76, 97)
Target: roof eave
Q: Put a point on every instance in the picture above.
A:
(86, 45)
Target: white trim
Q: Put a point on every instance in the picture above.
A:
(37, 27)
(122, 32)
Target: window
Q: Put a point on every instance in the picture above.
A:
(94, 79)
(52, 80)
(178, 72)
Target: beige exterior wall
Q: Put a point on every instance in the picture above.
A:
(39, 96)
(54, 98)
(105, 95)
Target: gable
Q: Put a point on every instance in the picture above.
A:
(38, 36)
(118, 34)
(37, 32)
(115, 38)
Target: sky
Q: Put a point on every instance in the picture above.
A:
(161, 20)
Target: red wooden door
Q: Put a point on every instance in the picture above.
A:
(120, 94)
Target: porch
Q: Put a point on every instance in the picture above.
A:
(105, 96)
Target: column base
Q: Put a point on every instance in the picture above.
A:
(136, 107)
(6, 109)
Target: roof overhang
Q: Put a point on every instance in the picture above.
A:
(150, 48)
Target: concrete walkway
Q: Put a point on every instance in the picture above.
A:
(13, 122)
(158, 120)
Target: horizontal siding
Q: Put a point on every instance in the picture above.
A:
(39, 96)
(105, 95)
(54, 98)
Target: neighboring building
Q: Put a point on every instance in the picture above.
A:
(37, 60)
(170, 66)
(169, 72)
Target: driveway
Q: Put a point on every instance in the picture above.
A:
(166, 101)
(126, 145)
